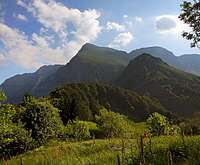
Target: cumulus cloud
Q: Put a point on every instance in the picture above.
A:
(121, 40)
(18, 48)
(63, 31)
(169, 24)
(114, 26)
(21, 17)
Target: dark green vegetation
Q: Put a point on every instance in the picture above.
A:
(91, 64)
(52, 129)
(85, 100)
(178, 91)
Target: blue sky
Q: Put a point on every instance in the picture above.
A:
(40, 32)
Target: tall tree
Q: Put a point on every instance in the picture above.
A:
(191, 15)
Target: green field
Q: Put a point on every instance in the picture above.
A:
(100, 152)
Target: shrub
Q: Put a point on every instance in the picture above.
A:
(157, 124)
(78, 130)
(14, 139)
(111, 124)
(43, 120)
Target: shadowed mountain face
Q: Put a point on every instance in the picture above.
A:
(15, 87)
(91, 64)
(178, 91)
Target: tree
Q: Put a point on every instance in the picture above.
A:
(43, 120)
(2, 96)
(191, 15)
(158, 124)
(14, 139)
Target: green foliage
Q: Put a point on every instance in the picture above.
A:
(14, 139)
(2, 96)
(78, 130)
(43, 120)
(158, 124)
(27, 99)
(190, 15)
(112, 124)
(84, 101)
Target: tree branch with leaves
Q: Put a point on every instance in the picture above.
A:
(190, 14)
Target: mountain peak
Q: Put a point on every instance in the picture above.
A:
(88, 45)
(147, 60)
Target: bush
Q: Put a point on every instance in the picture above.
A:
(111, 124)
(14, 139)
(78, 130)
(157, 124)
(43, 120)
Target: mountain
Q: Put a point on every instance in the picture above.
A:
(16, 86)
(91, 96)
(157, 51)
(91, 64)
(177, 90)
(190, 63)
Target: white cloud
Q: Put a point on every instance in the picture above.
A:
(18, 49)
(138, 19)
(114, 26)
(21, 17)
(56, 42)
(166, 24)
(56, 17)
(121, 40)
(125, 16)
(131, 22)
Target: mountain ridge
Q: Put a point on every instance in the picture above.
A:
(91, 64)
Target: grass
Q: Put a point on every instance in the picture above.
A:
(157, 150)
(76, 153)
(100, 152)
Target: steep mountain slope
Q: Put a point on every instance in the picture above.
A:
(190, 63)
(91, 64)
(91, 96)
(16, 86)
(178, 91)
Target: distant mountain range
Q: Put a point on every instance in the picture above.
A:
(156, 77)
